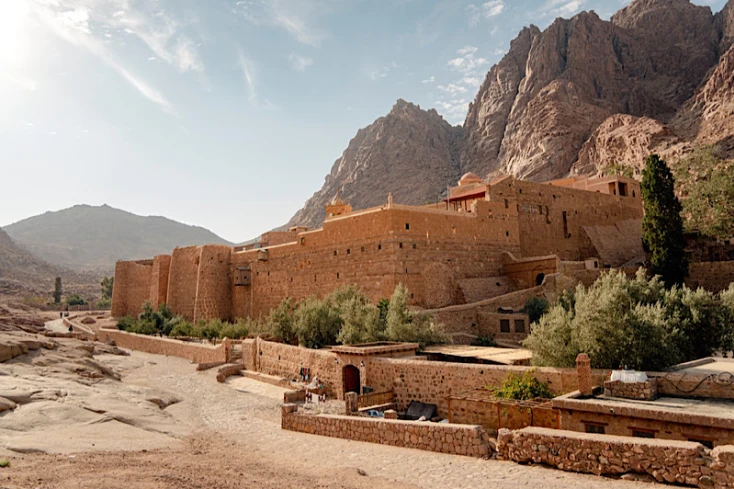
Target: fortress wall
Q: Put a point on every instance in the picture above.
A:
(544, 233)
(159, 280)
(529, 271)
(712, 276)
(429, 252)
(182, 280)
(213, 288)
(131, 288)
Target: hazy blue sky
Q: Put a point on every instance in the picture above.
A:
(226, 114)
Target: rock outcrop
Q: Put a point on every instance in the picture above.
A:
(411, 153)
(579, 96)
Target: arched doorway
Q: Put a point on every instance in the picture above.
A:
(351, 379)
(539, 279)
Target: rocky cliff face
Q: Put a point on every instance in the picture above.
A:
(646, 61)
(410, 152)
(575, 98)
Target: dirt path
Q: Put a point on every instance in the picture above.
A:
(237, 442)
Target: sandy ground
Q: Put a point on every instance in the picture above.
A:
(109, 434)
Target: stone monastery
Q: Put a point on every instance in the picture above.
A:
(484, 240)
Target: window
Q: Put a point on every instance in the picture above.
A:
(640, 433)
(334, 252)
(349, 251)
(337, 275)
(565, 225)
(504, 325)
(507, 233)
(401, 245)
(415, 246)
(623, 189)
(303, 240)
(519, 325)
(407, 226)
(707, 443)
(379, 246)
(507, 204)
(594, 428)
(242, 276)
(362, 249)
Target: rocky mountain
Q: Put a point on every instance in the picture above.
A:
(580, 95)
(23, 273)
(410, 152)
(87, 237)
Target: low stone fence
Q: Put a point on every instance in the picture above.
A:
(454, 439)
(646, 391)
(481, 407)
(228, 371)
(679, 462)
(197, 353)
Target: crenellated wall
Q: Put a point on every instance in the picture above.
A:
(159, 280)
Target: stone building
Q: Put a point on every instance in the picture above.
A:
(485, 239)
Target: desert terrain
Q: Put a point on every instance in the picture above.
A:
(84, 414)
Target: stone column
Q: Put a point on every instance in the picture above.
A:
(583, 370)
(351, 402)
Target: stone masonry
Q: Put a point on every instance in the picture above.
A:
(646, 391)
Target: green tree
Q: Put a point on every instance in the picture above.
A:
(317, 322)
(281, 322)
(634, 323)
(662, 226)
(403, 325)
(75, 300)
(57, 290)
(107, 285)
(535, 307)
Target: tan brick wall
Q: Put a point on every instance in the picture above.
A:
(182, 281)
(434, 382)
(494, 414)
(214, 283)
(667, 461)
(445, 438)
(286, 361)
(197, 353)
(131, 288)
(712, 276)
(159, 280)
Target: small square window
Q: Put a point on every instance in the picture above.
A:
(334, 252)
(519, 325)
(407, 226)
(594, 428)
(415, 246)
(401, 245)
(643, 434)
(379, 246)
(504, 325)
(349, 251)
(362, 249)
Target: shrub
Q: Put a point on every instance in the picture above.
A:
(75, 300)
(535, 307)
(4, 463)
(522, 387)
(182, 328)
(234, 331)
(103, 303)
(125, 323)
(145, 327)
(485, 340)
(633, 323)
(317, 323)
(402, 325)
(281, 322)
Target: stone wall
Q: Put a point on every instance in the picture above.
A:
(159, 280)
(461, 321)
(183, 276)
(669, 461)
(479, 407)
(712, 276)
(434, 382)
(132, 288)
(213, 283)
(645, 391)
(195, 352)
(445, 438)
(286, 361)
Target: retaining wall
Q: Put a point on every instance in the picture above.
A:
(195, 352)
(286, 361)
(454, 439)
(680, 462)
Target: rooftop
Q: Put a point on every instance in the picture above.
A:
(488, 354)
(376, 348)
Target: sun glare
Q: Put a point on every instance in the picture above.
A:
(13, 41)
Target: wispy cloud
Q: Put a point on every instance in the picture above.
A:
(486, 10)
(379, 73)
(430, 79)
(249, 74)
(73, 25)
(299, 18)
(468, 69)
(561, 8)
(299, 63)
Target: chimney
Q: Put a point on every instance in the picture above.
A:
(583, 370)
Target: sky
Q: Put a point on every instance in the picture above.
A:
(227, 114)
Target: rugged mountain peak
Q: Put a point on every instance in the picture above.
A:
(724, 21)
(411, 153)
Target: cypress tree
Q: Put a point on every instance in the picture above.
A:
(662, 226)
(57, 290)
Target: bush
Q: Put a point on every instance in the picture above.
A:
(402, 325)
(234, 331)
(126, 323)
(317, 323)
(75, 300)
(144, 327)
(281, 322)
(637, 323)
(182, 328)
(103, 303)
(522, 387)
(485, 340)
(4, 463)
(535, 307)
